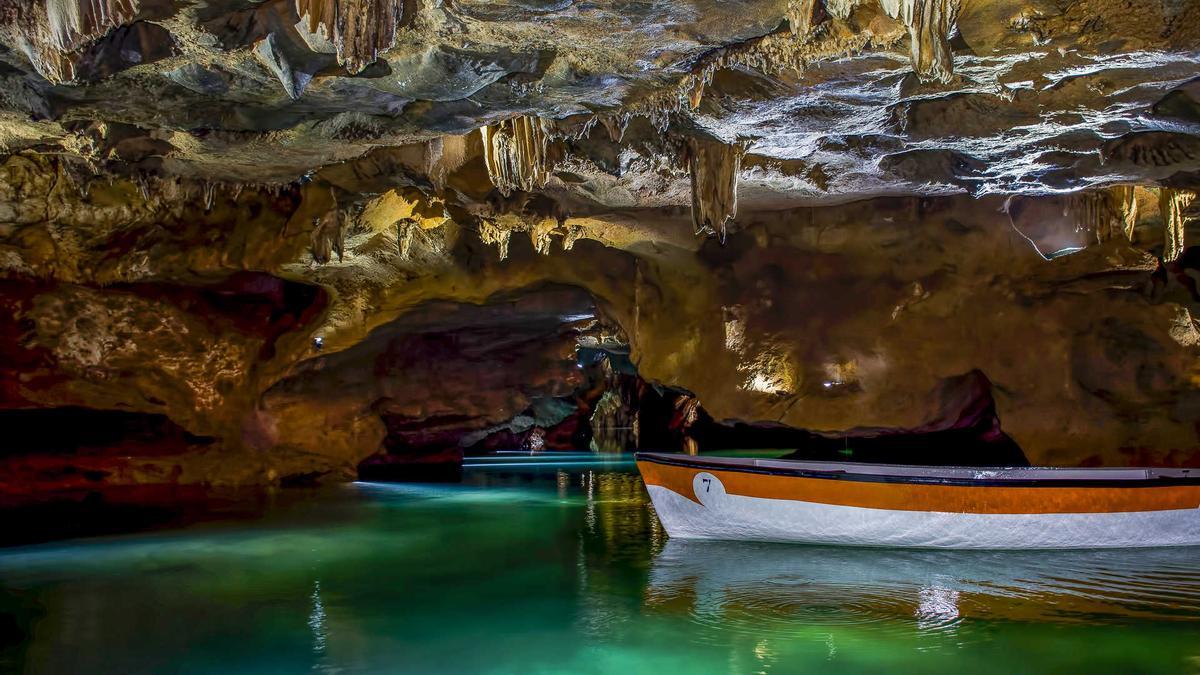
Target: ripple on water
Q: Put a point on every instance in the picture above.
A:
(777, 610)
(789, 591)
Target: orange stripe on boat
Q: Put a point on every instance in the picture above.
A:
(924, 497)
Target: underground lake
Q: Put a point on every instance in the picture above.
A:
(555, 563)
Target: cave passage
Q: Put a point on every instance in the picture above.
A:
(601, 404)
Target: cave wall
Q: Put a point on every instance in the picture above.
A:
(843, 317)
(423, 386)
(200, 304)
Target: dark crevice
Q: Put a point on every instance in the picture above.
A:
(52, 515)
(124, 47)
(73, 430)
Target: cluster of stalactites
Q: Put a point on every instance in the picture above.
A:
(72, 22)
(1173, 204)
(1109, 214)
(1114, 212)
(714, 168)
(50, 31)
(517, 153)
(358, 29)
(929, 22)
(1101, 212)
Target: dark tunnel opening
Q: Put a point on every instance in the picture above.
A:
(606, 406)
(75, 430)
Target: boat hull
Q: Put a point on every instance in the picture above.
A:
(698, 502)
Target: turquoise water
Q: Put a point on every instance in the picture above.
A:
(542, 566)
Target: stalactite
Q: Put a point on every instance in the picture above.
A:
(79, 177)
(573, 233)
(1125, 201)
(713, 167)
(143, 186)
(328, 234)
(930, 23)
(406, 230)
(574, 128)
(540, 235)
(1064, 224)
(328, 237)
(50, 32)
(72, 22)
(443, 156)
(697, 82)
(494, 235)
(800, 16)
(1172, 204)
(840, 9)
(517, 153)
(615, 125)
(358, 29)
(209, 190)
(1094, 211)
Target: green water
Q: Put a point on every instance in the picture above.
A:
(563, 569)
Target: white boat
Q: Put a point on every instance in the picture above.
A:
(922, 507)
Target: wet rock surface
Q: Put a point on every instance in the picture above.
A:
(811, 215)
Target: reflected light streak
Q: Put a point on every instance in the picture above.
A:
(593, 463)
(316, 619)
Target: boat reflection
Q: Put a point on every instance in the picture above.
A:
(776, 587)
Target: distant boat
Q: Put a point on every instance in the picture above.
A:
(922, 506)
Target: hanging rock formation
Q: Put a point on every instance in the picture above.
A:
(713, 167)
(800, 16)
(1173, 204)
(930, 24)
(358, 29)
(1125, 199)
(52, 33)
(517, 153)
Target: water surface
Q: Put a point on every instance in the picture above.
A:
(557, 565)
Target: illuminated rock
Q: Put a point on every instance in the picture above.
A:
(516, 153)
(930, 23)
(358, 29)
(713, 167)
(1173, 204)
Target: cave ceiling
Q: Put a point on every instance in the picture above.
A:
(888, 194)
(829, 101)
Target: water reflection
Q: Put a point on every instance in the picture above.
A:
(316, 620)
(773, 589)
(566, 570)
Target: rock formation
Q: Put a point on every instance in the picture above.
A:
(930, 24)
(358, 29)
(1173, 204)
(714, 169)
(516, 154)
(261, 243)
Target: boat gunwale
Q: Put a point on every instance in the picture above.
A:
(1048, 477)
